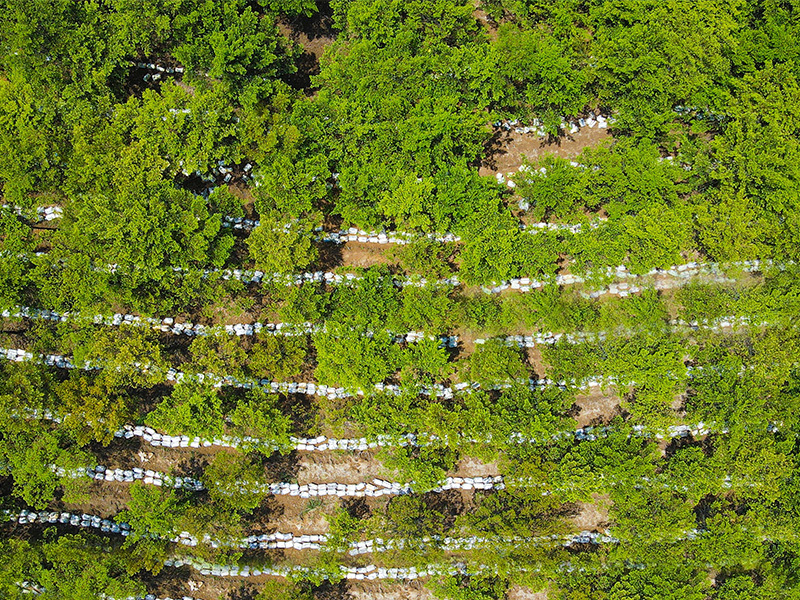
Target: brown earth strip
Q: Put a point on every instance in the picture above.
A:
(507, 149)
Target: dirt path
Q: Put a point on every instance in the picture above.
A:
(508, 148)
(518, 592)
(389, 591)
(326, 467)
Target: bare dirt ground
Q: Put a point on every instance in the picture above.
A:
(473, 467)
(106, 499)
(389, 591)
(356, 254)
(316, 467)
(185, 581)
(593, 516)
(518, 592)
(207, 587)
(298, 515)
(506, 149)
(596, 408)
(488, 23)
(135, 452)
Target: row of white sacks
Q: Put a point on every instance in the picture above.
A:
(370, 572)
(171, 325)
(267, 541)
(450, 544)
(349, 234)
(43, 213)
(376, 488)
(366, 573)
(536, 127)
(158, 68)
(304, 388)
(354, 234)
(580, 337)
(148, 476)
(674, 276)
(330, 392)
(84, 520)
(323, 443)
(292, 541)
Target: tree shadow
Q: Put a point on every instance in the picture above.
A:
(319, 25)
(493, 148)
(704, 509)
(279, 467)
(307, 67)
(688, 441)
(314, 34)
(330, 256)
(194, 466)
(357, 508)
(135, 80)
(301, 408)
(332, 591)
(122, 452)
(264, 516)
(245, 591)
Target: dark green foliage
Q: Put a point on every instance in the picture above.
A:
(494, 363)
(469, 588)
(259, 417)
(192, 409)
(233, 482)
(95, 409)
(73, 567)
(231, 43)
(153, 514)
(390, 130)
(277, 357)
(282, 247)
(349, 359)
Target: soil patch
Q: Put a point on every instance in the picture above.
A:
(357, 254)
(375, 590)
(300, 515)
(488, 23)
(506, 149)
(331, 256)
(596, 407)
(345, 468)
(592, 516)
(106, 499)
(518, 592)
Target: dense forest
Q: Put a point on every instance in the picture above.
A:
(370, 299)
